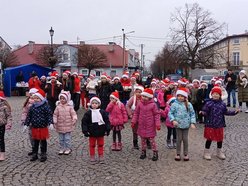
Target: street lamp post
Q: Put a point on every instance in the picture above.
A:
(123, 52)
(52, 59)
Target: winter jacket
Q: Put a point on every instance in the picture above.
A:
(230, 85)
(127, 88)
(5, 113)
(130, 106)
(164, 113)
(147, 116)
(193, 93)
(117, 113)
(39, 115)
(34, 82)
(103, 92)
(214, 110)
(179, 113)
(57, 90)
(93, 129)
(117, 87)
(64, 118)
(160, 98)
(242, 92)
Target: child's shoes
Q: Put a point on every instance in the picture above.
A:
(177, 157)
(155, 156)
(67, 152)
(143, 154)
(113, 147)
(186, 158)
(61, 152)
(119, 146)
(220, 154)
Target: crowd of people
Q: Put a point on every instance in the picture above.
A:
(53, 103)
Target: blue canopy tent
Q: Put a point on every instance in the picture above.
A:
(9, 79)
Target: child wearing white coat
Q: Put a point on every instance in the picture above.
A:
(64, 119)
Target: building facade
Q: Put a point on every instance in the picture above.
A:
(229, 52)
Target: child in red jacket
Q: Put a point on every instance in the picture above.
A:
(117, 117)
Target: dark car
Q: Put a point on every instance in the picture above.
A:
(174, 77)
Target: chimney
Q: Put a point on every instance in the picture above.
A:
(30, 47)
(65, 42)
(81, 43)
(112, 46)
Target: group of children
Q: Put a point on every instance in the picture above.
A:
(145, 116)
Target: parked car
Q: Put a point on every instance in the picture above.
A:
(174, 77)
(206, 78)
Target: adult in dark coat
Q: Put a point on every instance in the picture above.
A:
(242, 83)
(116, 86)
(230, 82)
(103, 92)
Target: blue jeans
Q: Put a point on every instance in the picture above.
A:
(65, 140)
(232, 93)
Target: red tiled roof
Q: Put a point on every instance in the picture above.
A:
(114, 57)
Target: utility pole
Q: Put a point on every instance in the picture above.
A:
(123, 52)
(141, 57)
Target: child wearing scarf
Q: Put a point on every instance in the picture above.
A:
(95, 125)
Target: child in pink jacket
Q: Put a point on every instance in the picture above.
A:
(147, 116)
(170, 127)
(64, 118)
(162, 103)
(130, 106)
(117, 117)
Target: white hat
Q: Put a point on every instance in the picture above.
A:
(125, 75)
(95, 99)
(116, 77)
(104, 75)
(203, 83)
(218, 82)
(242, 71)
(75, 73)
(139, 87)
(66, 95)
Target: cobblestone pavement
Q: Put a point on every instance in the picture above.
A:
(125, 167)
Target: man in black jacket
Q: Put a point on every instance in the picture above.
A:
(230, 82)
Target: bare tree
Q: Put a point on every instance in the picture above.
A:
(194, 28)
(8, 58)
(90, 57)
(48, 56)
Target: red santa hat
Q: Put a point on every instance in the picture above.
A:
(216, 89)
(41, 94)
(95, 99)
(54, 74)
(116, 77)
(92, 76)
(75, 73)
(125, 75)
(183, 92)
(2, 96)
(115, 95)
(43, 77)
(196, 81)
(218, 82)
(203, 84)
(133, 77)
(33, 90)
(136, 74)
(183, 81)
(147, 93)
(166, 81)
(139, 87)
(170, 98)
(104, 75)
(80, 75)
(66, 95)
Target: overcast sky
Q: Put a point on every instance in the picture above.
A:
(92, 20)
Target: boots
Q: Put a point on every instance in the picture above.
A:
(168, 144)
(113, 147)
(220, 154)
(135, 144)
(2, 156)
(174, 143)
(34, 157)
(143, 154)
(43, 157)
(207, 154)
(155, 156)
(119, 146)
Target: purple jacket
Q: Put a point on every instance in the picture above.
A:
(147, 116)
(215, 111)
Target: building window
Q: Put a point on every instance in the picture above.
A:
(236, 41)
(85, 72)
(236, 61)
(98, 73)
(112, 73)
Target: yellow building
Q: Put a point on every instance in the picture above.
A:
(229, 52)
